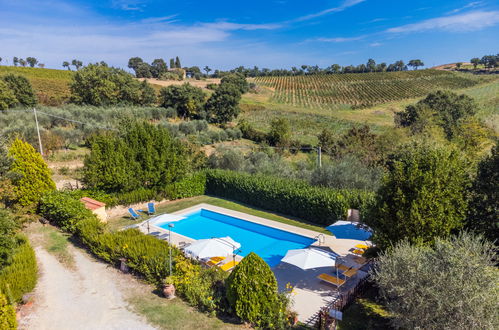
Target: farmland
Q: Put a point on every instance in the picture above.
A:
(51, 86)
(339, 91)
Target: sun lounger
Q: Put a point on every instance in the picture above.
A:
(331, 279)
(360, 260)
(358, 251)
(362, 246)
(228, 266)
(150, 208)
(350, 272)
(133, 214)
(215, 261)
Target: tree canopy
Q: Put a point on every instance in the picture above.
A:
(443, 108)
(450, 285)
(33, 177)
(484, 207)
(22, 89)
(188, 100)
(99, 85)
(423, 196)
(223, 104)
(142, 155)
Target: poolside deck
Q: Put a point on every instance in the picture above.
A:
(309, 293)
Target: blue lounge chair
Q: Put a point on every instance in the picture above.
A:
(134, 214)
(150, 208)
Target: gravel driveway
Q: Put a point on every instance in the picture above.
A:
(86, 297)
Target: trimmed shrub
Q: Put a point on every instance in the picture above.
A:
(192, 185)
(7, 314)
(252, 293)
(63, 209)
(20, 276)
(294, 197)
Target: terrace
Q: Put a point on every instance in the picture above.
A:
(309, 293)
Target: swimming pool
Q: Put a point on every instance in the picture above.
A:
(271, 244)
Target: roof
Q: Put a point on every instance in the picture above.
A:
(91, 204)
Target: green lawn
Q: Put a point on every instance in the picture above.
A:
(365, 313)
(53, 240)
(169, 207)
(172, 314)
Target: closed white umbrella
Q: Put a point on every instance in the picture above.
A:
(309, 258)
(212, 247)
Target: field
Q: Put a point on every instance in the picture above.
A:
(341, 91)
(51, 86)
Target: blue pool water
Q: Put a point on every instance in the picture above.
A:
(269, 243)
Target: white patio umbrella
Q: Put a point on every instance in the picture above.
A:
(310, 258)
(212, 247)
(165, 218)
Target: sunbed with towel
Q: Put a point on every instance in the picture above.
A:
(331, 279)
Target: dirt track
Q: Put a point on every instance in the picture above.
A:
(87, 297)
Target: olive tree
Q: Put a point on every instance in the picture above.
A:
(452, 285)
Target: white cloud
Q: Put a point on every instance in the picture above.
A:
(346, 4)
(337, 40)
(471, 21)
(473, 4)
(228, 26)
(375, 44)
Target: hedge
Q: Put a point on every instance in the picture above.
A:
(63, 209)
(192, 185)
(20, 276)
(293, 197)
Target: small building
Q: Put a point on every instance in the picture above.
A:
(98, 208)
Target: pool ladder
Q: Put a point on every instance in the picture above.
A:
(320, 238)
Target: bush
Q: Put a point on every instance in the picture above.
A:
(7, 97)
(190, 186)
(34, 177)
(7, 314)
(252, 293)
(439, 287)
(63, 209)
(22, 89)
(137, 196)
(7, 238)
(20, 276)
(294, 197)
(200, 287)
(223, 104)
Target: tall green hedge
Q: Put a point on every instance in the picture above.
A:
(20, 276)
(191, 185)
(294, 197)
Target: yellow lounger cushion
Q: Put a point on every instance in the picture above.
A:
(331, 279)
(342, 267)
(362, 246)
(215, 261)
(358, 251)
(229, 265)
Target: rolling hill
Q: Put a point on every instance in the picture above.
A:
(361, 90)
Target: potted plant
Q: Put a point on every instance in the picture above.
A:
(168, 288)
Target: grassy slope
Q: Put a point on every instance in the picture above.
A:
(51, 86)
(173, 206)
(306, 123)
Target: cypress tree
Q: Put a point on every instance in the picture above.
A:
(177, 63)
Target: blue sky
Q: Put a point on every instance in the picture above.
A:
(267, 33)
